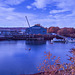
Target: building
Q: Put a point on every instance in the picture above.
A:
(12, 31)
(36, 29)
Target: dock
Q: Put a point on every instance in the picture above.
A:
(27, 37)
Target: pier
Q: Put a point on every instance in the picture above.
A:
(27, 37)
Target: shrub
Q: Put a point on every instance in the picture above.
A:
(46, 68)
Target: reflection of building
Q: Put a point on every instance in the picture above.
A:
(36, 29)
(35, 42)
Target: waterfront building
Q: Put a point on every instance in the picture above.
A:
(12, 31)
(5, 32)
(36, 29)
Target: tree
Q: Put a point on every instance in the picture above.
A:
(66, 31)
(53, 29)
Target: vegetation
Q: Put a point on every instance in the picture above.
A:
(53, 29)
(46, 68)
(68, 32)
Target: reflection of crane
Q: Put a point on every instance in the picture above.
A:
(27, 21)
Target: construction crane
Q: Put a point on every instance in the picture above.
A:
(27, 21)
(28, 24)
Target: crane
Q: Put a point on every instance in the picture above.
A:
(28, 24)
(27, 21)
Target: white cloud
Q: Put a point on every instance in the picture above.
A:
(57, 11)
(9, 18)
(64, 5)
(3, 9)
(29, 7)
(41, 3)
(63, 20)
(14, 19)
(11, 2)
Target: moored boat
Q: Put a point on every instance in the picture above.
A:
(71, 40)
(58, 40)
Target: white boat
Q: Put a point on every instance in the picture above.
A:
(71, 40)
(58, 40)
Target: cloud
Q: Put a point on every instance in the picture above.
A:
(41, 3)
(64, 5)
(12, 2)
(64, 19)
(29, 7)
(58, 19)
(10, 18)
(57, 11)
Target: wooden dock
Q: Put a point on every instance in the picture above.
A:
(28, 37)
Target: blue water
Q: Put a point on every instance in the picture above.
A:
(15, 57)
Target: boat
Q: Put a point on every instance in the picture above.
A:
(58, 40)
(71, 40)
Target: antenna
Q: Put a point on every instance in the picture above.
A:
(27, 21)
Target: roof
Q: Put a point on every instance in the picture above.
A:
(39, 26)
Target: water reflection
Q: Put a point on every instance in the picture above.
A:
(33, 42)
(15, 57)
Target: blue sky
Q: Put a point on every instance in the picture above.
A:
(45, 12)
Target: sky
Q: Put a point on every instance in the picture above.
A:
(48, 13)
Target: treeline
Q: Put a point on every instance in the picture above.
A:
(68, 32)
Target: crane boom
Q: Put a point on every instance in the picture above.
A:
(27, 21)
